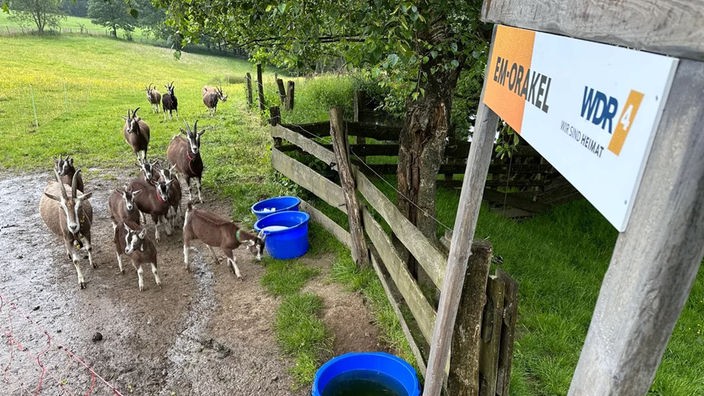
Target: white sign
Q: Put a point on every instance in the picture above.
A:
(590, 109)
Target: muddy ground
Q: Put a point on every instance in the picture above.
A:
(202, 333)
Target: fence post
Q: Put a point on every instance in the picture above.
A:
(508, 331)
(34, 106)
(360, 253)
(289, 97)
(275, 115)
(248, 83)
(260, 88)
(282, 90)
(360, 139)
(463, 378)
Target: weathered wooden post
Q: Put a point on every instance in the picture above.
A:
(360, 253)
(274, 115)
(260, 88)
(360, 139)
(464, 362)
(290, 96)
(248, 84)
(282, 90)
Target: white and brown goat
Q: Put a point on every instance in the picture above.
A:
(122, 207)
(153, 97)
(169, 102)
(149, 169)
(136, 133)
(153, 200)
(131, 239)
(64, 167)
(211, 96)
(70, 217)
(214, 230)
(184, 154)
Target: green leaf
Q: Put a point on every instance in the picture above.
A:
(282, 8)
(455, 63)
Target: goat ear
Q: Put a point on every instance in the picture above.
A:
(142, 233)
(136, 192)
(251, 243)
(85, 196)
(51, 196)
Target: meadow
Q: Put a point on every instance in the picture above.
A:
(67, 94)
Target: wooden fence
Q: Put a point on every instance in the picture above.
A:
(481, 360)
(526, 183)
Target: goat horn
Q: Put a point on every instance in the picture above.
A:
(195, 126)
(61, 185)
(74, 183)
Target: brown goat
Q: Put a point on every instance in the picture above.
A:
(153, 200)
(122, 207)
(153, 97)
(211, 96)
(174, 193)
(70, 217)
(185, 155)
(136, 133)
(214, 230)
(64, 167)
(131, 239)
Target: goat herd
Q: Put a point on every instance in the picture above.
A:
(66, 210)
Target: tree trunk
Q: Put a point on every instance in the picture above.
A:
(422, 143)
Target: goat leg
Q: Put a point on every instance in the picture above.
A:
(119, 263)
(156, 275)
(215, 256)
(140, 276)
(186, 251)
(89, 249)
(197, 183)
(232, 260)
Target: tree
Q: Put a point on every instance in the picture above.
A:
(42, 13)
(77, 8)
(113, 14)
(418, 48)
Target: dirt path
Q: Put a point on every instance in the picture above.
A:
(202, 333)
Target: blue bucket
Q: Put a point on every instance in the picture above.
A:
(269, 206)
(396, 375)
(286, 234)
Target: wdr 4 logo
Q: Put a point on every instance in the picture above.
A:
(601, 109)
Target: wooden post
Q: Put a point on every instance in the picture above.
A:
(260, 88)
(508, 332)
(465, 223)
(360, 253)
(248, 82)
(360, 138)
(275, 116)
(656, 259)
(491, 337)
(282, 90)
(290, 96)
(464, 362)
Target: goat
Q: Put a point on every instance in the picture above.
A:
(153, 97)
(153, 200)
(210, 98)
(150, 170)
(169, 101)
(70, 217)
(122, 207)
(64, 167)
(214, 230)
(185, 155)
(174, 193)
(130, 239)
(136, 133)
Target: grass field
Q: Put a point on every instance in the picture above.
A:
(82, 86)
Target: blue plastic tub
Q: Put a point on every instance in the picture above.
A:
(395, 373)
(286, 234)
(269, 206)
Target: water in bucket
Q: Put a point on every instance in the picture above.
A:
(364, 383)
